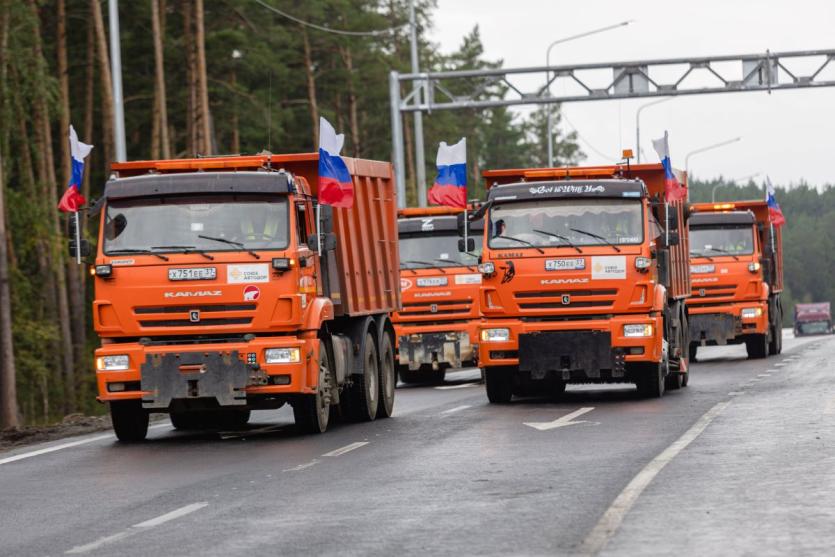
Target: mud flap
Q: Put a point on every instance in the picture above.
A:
(192, 375)
(435, 347)
(569, 351)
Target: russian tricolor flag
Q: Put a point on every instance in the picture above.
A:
(336, 187)
(72, 200)
(450, 187)
(775, 214)
(673, 190)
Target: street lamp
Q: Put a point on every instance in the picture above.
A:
(734, 181)
(638, 123)
(703, 149)
(550, 124)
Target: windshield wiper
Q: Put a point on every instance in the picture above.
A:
(132, 250)
(700, 254)
(521, 241)
(187, 249)
(453, 263)
(427, 263)
(231, 243)
(726, 252)
(593, 235)
(558, 237)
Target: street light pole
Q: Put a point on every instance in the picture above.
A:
(116, 70)
(703, 149)
(638, 123)
(549, 120)
(420, 162)
(734, 181)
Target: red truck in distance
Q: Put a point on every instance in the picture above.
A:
(812, 319)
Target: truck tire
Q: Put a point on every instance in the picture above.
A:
(650, 379)
(756, 346)
(130, 420)
(775, 346)
(312, 412)
(674, 381)
(388, 380)
(365, 390)
(499, 383)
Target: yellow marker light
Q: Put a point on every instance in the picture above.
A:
(722, 206)
(627, 154)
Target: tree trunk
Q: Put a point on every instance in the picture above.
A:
(8, 374)
(64, 87)
(347, 58)
(106, 85)
(236, 132)
(202, 80)
(191, 79)
(160, 102)
(311, 88)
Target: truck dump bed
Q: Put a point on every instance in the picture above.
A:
(651, 174)
(819, 311)
(367, 257)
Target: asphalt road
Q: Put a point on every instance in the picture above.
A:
(739, 462)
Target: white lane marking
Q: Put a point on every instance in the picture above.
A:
(173, 515)
(772, 370)
(136, 528)
(736, 393)
(304, 466)
(346, 448)
(560, 422)
(456, 409)
(763, 374)
(461, 386)
(611, 520)
(69, 445)
(781, 364)
(830, 407)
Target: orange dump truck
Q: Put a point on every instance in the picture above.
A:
(736, 267)
(585, 276)
(219, 291)
(439, 282)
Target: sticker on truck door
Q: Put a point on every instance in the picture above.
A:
(608, 267)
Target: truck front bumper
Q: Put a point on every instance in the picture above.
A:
(727, 323)
(231, 373)
(455, 344)
(593, 349)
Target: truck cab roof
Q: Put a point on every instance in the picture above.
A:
(198, 183)
(722, 218)
(519, 191)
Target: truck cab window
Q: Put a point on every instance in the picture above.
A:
(301, 224)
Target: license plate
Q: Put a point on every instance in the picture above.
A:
(193, 273)
(574, 264)
(701, 269)
(432, 281)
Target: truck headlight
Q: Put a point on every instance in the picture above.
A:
(751, 313)
(637, 330)
(487, 268)
(495, 335)
(119, 362)
(754, 267)
(281, 355)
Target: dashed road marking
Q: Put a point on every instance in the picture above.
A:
(611, 520)
(456, 409)
(763, 374)
(304, 466)
(781, 364)
(136, 528)
(736, 393)
(830, 407)
(346, 449)
(461, 386)
(561, 422)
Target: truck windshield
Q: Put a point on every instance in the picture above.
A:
(231, 222)
(566, 222)
(716, 241)
(435, 250)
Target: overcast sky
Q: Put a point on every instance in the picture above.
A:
(788, 134)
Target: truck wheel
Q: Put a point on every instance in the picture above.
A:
(650, 380)
(312, 412)
(130, 420)
(499, 383)
(674, 381)
(756, 346)
(776, 344)
(693, 348)
(365, 391)
(387, 378)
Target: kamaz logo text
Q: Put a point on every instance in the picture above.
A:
(195, 294)
(564, 281)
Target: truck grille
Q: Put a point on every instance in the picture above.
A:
(448, 309)
(216, 315)
(550, 299)
(712, 292)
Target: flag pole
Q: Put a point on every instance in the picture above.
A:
(319, 229)
(466, 229)
(77, 239)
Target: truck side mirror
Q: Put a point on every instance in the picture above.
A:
(83, 247)
(672, 221)
(328, 241)
(469, 247)
(462, 222)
